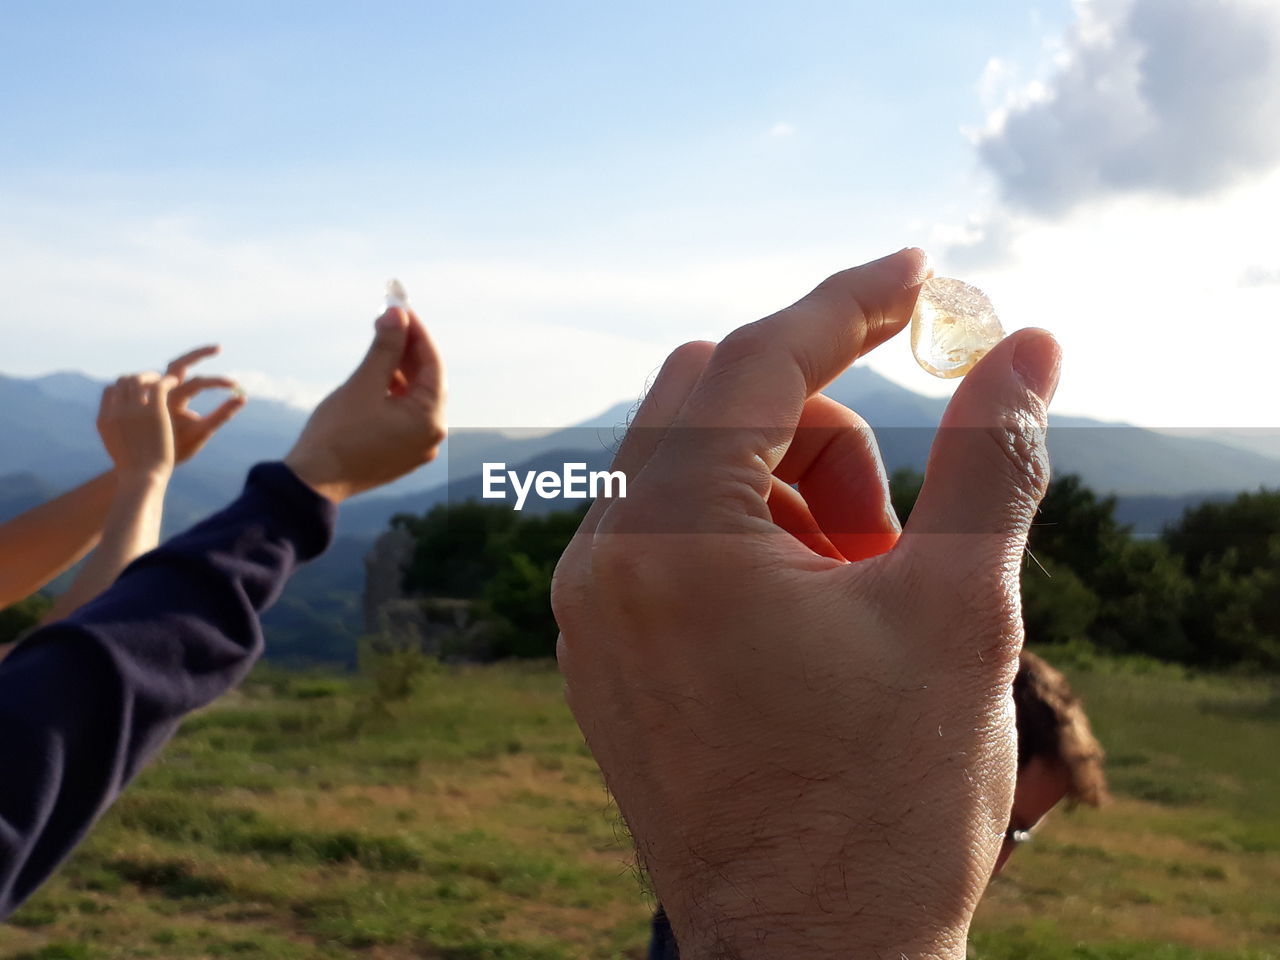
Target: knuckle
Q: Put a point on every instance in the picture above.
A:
(842, 291)
(749, 345)
(568, 588)
(985, 605)
(616, 564)
(966, 596)
(691, 352)
(744, 345)
(433, 435)
(1017, 445)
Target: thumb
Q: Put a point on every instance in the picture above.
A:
(374, 374)
(989, 466)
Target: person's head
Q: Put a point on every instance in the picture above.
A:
(1058, 755)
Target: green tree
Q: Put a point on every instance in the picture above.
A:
(501, 559)
(1232, 549)
(1056, 605)
(904, 488)
(1234, 613)
(1076, 528)
(518, 600)
(454, 552)
(1144, 596)
(518, 597)
(1245, 526)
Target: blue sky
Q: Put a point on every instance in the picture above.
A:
(568, 189)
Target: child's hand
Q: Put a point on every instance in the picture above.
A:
(385, 421)
(133, 421)
(190, 430)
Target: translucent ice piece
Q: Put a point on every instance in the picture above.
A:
(396, 296)
(953, 327)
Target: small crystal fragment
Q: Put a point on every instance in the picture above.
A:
(953, 327)
(396, 296)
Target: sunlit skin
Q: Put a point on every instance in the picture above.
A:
(384, 421)
(38, 545)
(815, 757)
(1042, 782)
(137, 432)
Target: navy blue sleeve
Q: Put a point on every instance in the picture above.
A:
(662, 939)
(87, 701)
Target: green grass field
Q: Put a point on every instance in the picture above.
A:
(295, 819)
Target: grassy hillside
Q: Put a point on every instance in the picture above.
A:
(300, 818)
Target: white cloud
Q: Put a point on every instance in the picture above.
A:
(1143, 295)
(998, 84)
(781, 130)
(1259, 276)
(983, 241)
(290, 390)
(1146, 297)
(529, 343)
(1171, 97)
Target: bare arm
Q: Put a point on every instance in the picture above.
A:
(48, 539)
(135, 427)
(805, 715)
(87, 701)
(131, 529)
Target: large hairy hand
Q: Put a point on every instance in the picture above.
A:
(385, 421)
(810, 738)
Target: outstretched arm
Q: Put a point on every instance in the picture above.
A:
(134, 422)
(85, 702)
(49, 539)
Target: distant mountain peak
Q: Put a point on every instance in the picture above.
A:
(619, 415)
(64, 376)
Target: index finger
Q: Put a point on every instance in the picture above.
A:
(179, 365)
(421, 364)
(745, 408)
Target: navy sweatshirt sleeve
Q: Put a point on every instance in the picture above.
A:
(85, 702)
(662, 939)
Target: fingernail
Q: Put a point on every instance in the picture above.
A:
(924, 269)
(1037, 360)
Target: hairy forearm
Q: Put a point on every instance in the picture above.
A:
(768, 937)
(131, 528)
(48, 539)
(825, 882)
(781, 921)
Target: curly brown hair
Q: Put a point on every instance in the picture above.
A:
(1052, 724)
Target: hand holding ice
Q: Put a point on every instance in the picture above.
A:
(953, 327)
(396, 296)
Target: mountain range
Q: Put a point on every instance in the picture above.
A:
(48, 443)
